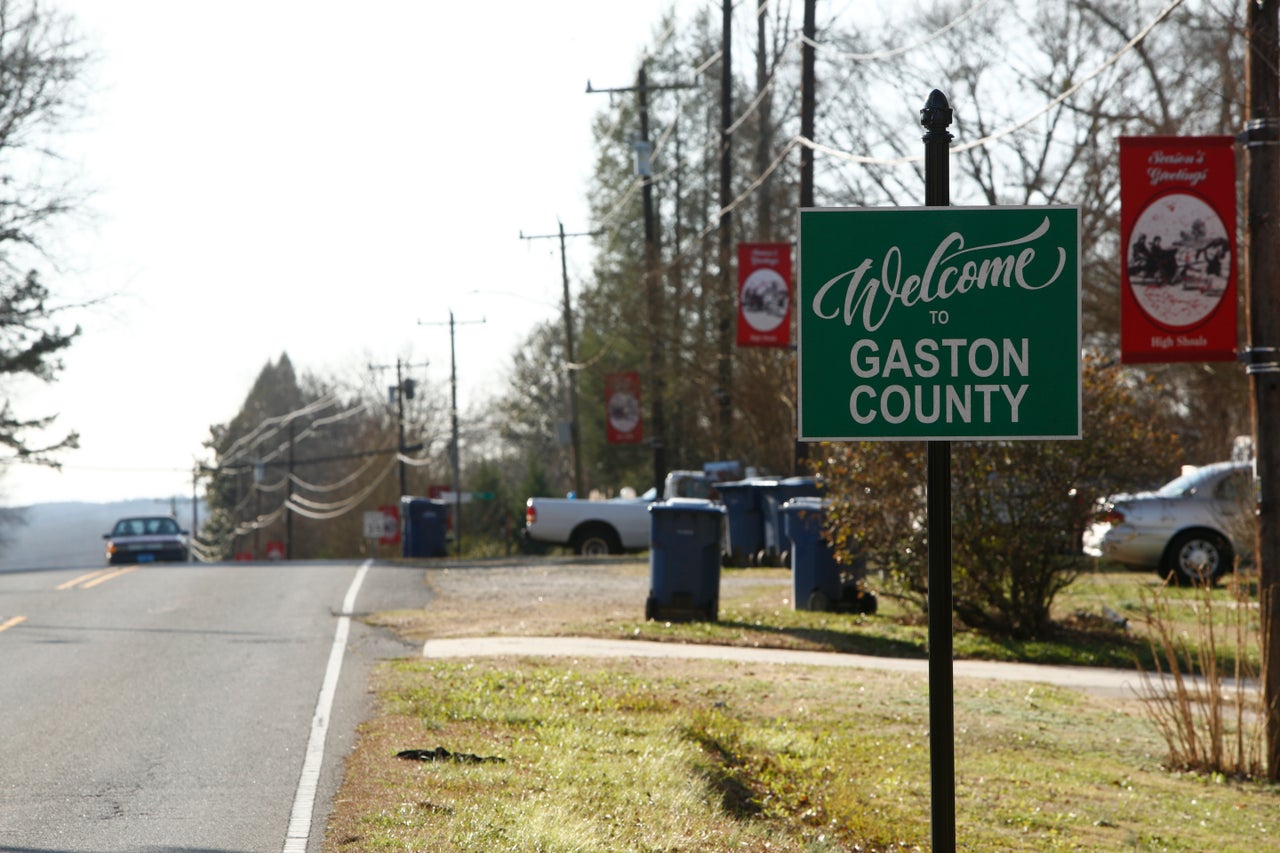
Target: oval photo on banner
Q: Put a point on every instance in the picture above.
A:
(1179, 259)
(624, 411)
(765, 299)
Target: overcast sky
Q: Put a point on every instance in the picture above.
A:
(315, 178)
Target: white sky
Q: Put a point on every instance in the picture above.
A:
(315, 178)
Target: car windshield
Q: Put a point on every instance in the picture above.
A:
(1188, 483)
(144, 527)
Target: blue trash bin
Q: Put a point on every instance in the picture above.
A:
(424, 522)
(815, 574)
(684, 560)
(773, 494)
(745, 525)
(818, 582)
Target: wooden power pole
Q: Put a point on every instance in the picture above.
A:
(657, 426)
(570, 354)
(1262, 138)
(727, 289)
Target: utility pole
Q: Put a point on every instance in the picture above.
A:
(195, 505)
(764, 199)
(400, 426)
(288, 509)
(727, 288)
(1262, 139)
(571, 359)
(455, 465)
(257, 506)
(401, 391)
(807, 110)
(652, 281)
(653, 298)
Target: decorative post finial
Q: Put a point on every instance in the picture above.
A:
(936, 116)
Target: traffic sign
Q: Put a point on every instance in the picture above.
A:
(379, 525)
(939, 323)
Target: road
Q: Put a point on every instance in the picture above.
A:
(171, 707)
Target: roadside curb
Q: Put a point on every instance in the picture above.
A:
(1115, 683)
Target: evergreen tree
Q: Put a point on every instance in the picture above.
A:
(248, 480)
(40, 68)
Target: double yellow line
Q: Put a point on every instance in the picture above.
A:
(85, 581)
(92, 579)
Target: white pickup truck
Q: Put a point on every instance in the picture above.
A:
(596, 528)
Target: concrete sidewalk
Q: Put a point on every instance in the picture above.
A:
(1117, 683)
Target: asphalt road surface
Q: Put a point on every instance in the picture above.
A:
(184, 707)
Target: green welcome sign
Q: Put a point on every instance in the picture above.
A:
(939, 323)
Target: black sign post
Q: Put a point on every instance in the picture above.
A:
(936, 118)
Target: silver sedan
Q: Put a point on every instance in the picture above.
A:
(1189, 530)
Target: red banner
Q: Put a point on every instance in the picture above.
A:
(623, 424)
(1178, 235)
(764, 294)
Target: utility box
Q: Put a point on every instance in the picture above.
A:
(424, 522)
(684, 560)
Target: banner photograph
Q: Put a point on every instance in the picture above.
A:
(1178, 234)
(939, 323)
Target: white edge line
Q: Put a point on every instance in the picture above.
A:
(295, 840)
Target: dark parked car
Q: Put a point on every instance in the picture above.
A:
(146, 539)
(1188, 530)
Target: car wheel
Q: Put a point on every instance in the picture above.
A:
(596, 541)
(1195, 557)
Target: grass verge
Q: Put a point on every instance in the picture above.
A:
(695, 756)
(642, 755)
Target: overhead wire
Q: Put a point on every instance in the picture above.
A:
(258, 523)
(1017, 125)
(772, 80)
(986, 140)
(341, 508)
(890, 53)
(333, 487)
(278, 421)
(867, 160)
(415, 461)
(1075, 87)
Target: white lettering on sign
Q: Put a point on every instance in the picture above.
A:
(983, 357)
(948, 274)
(1177, 161)
(927, 404)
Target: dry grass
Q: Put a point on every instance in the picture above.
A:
(1210, 718)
